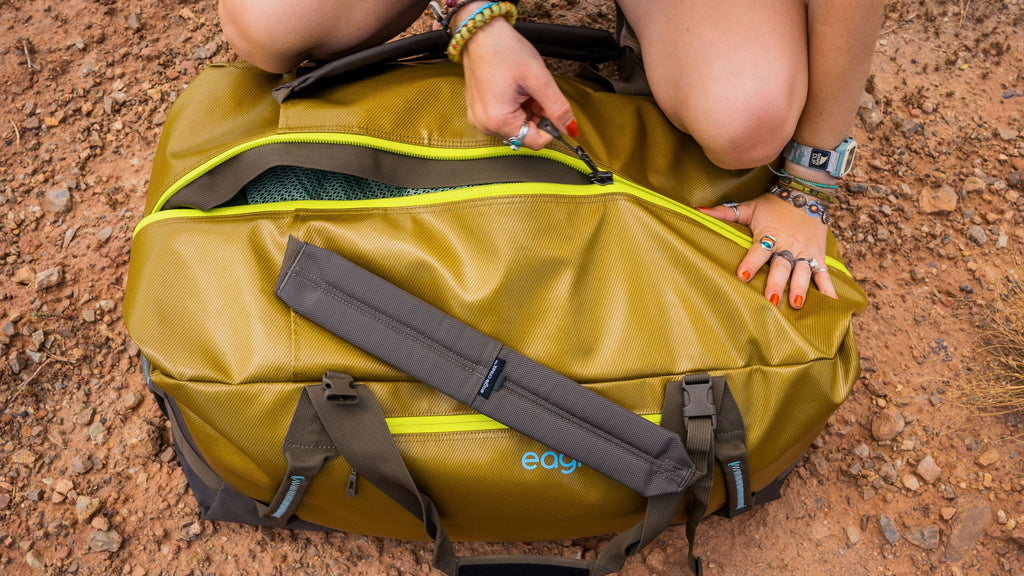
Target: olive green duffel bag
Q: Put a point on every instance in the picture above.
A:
(361, 314)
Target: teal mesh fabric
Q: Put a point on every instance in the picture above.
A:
(288, 183)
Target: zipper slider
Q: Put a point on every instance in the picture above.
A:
(597, 176)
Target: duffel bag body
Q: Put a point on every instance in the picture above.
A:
(612, 280)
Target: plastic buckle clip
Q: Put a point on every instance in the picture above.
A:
(698, 397)
(338, 388)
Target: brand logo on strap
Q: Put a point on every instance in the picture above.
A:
(550, 461)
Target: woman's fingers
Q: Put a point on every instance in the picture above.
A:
(788, 240)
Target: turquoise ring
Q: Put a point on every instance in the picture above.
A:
(767, 242)
(515, 142)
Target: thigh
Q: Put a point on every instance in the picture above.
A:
(711, 62)
(277, 34)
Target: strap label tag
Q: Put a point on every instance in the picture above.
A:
(495, 379)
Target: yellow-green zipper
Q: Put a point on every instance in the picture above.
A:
(457, 423)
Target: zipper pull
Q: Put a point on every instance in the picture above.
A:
(350, 489)
(597, 176)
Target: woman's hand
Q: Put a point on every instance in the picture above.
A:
(792, 229)
(508, 84)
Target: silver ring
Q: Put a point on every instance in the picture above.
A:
(785, 255)
(816, 270)
(516, 141)
(767, 241)
(735, 209)
(810, 262)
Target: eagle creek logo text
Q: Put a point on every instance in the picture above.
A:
(550, 461)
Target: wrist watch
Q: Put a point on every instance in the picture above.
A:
(836, 162)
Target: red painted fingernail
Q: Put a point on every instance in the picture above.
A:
(703, 208)
(798, 301)
(774, 298)
(745, 275)
(572, 129)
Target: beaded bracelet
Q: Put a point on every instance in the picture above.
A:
(806, 186)
(476, 21)
(812, 207)
(452, 8)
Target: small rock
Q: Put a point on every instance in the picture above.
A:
(25, 457)
(98, 433)
(105, 234)
(977, 235)
(887, 424)
(1008, 134)
(133, 21)
(928, 470)
(85, 416)
(63, 486)
(16, 363)
(910, 482)
(892, 535)
(852, 536)
(969, 526)
(926, 537)
(947, 512)
(58, 200)
(79, 465)
(24, 276)
(100, 523)
(8, 328)
(1001, 517)
(105, 541)
(655, 559)
(49, 278)
(943, 199)
(988, 458)
(862, 451)
(818, 464)
(34, 560)
(86, 507)
(974, 184)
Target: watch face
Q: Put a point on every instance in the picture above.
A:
(819, 159)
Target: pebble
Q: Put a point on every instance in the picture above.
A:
(988, 458)
(105, 541)
(887, 424)
(79, 465)
(943, 199)
(862, 451)
(86, 507)
(970, 525)
(910, 482)
(926, 537)
(58, 200)
(852, 536)
(24, 276)
(49, 278)
(892, 535)
(928, 470)
(974, 184)
(977, 235)
(1006, 133)
(34, 560)
(104, 234)
(947, 512)
(100, 523)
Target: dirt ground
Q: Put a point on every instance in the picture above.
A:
(902, 481)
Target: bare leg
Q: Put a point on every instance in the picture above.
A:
(731, 74)
(277, 35)
(742, 78)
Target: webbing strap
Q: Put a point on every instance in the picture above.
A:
(465, 364)
(703, 411)
(343, 418)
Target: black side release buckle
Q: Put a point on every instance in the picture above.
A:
(698, 397)
(338, 388)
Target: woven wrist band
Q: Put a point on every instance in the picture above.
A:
(810, 206)
(476, 21)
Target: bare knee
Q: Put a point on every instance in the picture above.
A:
(741, 132)
(262, 34)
